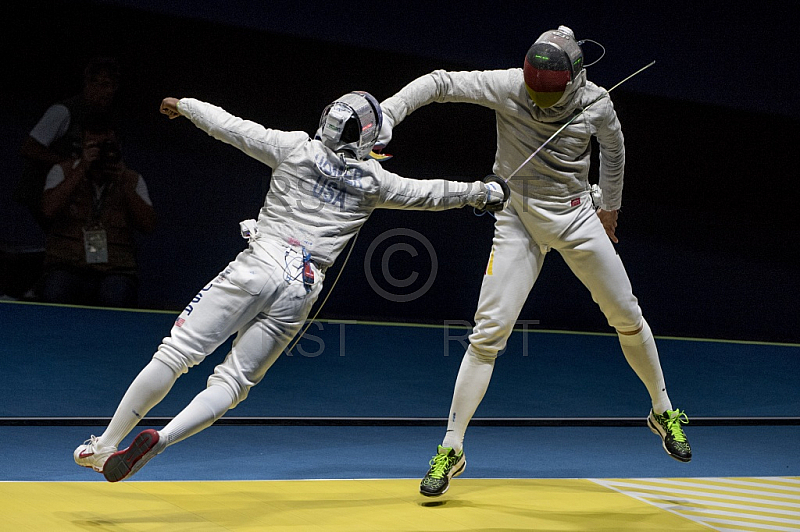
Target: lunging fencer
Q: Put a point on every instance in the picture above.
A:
(322, 191)
(551, 208)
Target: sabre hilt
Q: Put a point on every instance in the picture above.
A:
(494, 206)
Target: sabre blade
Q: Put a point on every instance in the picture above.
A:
(629, 77)
(559, 130)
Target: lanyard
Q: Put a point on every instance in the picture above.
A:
(98, 195)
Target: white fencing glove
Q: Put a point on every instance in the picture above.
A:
(497, 193)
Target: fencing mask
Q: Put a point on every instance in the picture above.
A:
(551, 64)
(351, 123)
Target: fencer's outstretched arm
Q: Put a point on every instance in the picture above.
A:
(273, 146)
(479, 87)
(399, 192)
(270, 146)
(484, 88)
(496, 89)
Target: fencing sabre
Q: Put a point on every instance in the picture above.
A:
(559, 130)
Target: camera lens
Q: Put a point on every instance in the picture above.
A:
(109, 152)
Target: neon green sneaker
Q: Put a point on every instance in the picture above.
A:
(668, 426)
(445, 465)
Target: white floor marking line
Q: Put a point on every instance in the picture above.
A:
(713, 502)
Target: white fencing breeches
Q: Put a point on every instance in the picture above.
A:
(524, 232)
(252, 299)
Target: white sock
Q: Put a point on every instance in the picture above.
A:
(146, 391)
(641, 353)
(207, 407)
(471, 384)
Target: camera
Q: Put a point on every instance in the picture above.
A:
(109, 153)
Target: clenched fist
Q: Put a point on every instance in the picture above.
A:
(169, 107)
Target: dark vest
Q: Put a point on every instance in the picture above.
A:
(64, 246)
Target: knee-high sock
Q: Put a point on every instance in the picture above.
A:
(207, 407)
(146, 391)
(471, 384)
(642, 355)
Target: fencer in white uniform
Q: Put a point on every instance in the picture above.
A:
(322, 190)
(551, 207)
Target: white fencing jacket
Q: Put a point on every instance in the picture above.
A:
(560, 171)
(318, 199)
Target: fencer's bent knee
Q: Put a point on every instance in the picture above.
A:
(623, 315)
(233, 381)
(489, 337)
(179, 360)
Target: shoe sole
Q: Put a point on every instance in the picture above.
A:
(454, 475)
(654, 428)
(124, 464)
(88, 466)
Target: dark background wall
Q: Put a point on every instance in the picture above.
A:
(708, 230)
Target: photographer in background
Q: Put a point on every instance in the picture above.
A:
(57, 136)
(93, 204)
